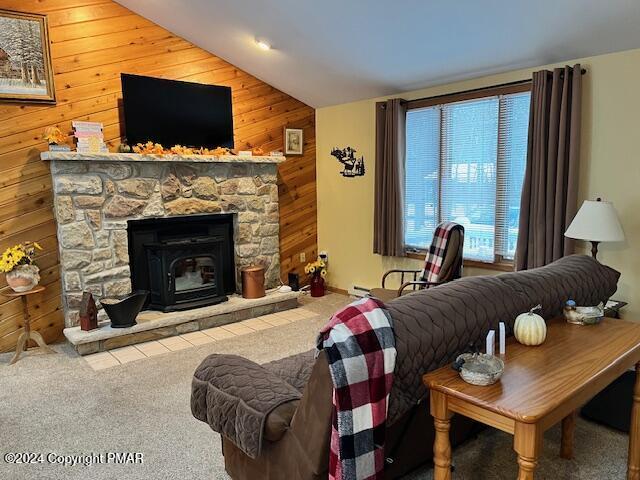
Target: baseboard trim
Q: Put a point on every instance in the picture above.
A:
(341, 291)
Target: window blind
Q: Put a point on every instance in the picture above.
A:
(465, 163)
(422, 176)
(512, 160)
(468, 178)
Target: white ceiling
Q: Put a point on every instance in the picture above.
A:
(329, 51)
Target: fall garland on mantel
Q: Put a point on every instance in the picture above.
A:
(54, 136)
(151, 148)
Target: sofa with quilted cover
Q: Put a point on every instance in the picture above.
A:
(275, 419)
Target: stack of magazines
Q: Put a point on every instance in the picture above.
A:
(89, 137)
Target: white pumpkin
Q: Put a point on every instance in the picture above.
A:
(530, 328)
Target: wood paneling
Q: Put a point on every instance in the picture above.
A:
(92, 42)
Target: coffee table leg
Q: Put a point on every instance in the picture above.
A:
(633, 472)
(527, 442)
(442, 443)
(568, 429)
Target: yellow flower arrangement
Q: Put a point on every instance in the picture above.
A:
(21, 254)
(316, 268)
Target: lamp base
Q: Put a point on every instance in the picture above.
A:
(594, 249)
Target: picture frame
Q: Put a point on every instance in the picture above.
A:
(26, 73)
(293, 141)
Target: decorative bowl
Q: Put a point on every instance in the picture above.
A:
(584, 315)
(480, 368)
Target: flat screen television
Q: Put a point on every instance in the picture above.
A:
(172, 113)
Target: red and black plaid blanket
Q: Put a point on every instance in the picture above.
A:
(438, 250)
(360, 347)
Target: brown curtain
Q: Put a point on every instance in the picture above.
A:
(388, 222)
(550, 189)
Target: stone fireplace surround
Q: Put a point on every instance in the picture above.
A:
(95, 195)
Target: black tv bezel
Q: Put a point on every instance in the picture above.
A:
(230, 144)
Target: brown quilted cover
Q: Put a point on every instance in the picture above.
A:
(295, 370)
(433, 326)
(234, 396)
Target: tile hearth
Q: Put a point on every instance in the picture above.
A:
(119, 356)
(154, 325)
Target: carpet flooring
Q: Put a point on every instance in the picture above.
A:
(57, 405)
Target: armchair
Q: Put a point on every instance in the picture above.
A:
(448, 247)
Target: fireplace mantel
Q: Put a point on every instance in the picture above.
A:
(136, 157)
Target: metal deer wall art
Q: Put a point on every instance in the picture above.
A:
(352, 166)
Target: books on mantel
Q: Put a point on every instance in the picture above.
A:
(89, 137)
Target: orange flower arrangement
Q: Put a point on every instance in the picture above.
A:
(216, 151)
(53, 135)
(180, 150)
(149, 148)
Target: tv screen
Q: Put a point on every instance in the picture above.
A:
(176, 113)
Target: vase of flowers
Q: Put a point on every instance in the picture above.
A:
(17, 263)
(318, 271)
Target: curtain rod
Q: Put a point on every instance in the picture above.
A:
(473, 90)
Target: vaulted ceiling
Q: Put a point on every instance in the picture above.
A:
(334, 51)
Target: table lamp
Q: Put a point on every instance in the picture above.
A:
(596, 221)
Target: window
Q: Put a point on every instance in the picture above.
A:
(465, 162)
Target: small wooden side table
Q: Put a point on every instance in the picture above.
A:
(28, 334)
(541, 386)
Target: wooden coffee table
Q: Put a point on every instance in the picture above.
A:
(540, 387)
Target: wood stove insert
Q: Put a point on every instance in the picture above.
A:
(184, 262)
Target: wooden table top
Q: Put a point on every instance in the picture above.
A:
(575, 361)
(36, 289)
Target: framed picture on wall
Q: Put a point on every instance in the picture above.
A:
(293, 141)
(25, 58)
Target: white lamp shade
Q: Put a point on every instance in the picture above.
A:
(596, 221)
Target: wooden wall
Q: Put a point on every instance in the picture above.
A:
(92, 42)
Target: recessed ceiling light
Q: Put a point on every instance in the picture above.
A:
(263, 45)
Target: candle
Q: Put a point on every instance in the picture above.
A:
(491, 342)
(503, 338)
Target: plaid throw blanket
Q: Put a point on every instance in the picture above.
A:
(360, 347)
(438, 250)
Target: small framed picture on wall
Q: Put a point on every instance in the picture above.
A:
(25, 60)
(293, 141)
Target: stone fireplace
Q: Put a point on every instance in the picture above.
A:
(101, 200)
